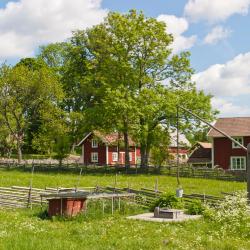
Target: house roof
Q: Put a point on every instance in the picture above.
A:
(183, 141)
(201, 153)
(205, 144)
(111, 138)
(234, 126)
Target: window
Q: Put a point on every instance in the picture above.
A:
(94, 143)
(114, 156)
(238, 163)
(130, 156)
(238, 139)
(94, 157)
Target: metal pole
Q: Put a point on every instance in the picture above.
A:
(248, 173)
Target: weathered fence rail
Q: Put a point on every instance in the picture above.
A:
(147, 197)
(184, 170)
(24, 197)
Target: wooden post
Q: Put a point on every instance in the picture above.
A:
(119, 203)
(248, 173)
(103, 207)
(156, 185)
(78, 181)
(112, 205)
(177, 141)
(30, 189)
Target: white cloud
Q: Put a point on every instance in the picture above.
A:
(227, 108)
(229, 79)
(177, 26)
(215, 10)
(26, 24)
(217, 33)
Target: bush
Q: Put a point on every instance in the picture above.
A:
(168, 201)
(195, 207)
(231, 215)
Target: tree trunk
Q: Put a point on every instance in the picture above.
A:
(145, 150)
(126, 144)
(60, 162)
(19, 151)
(143, 155)
(73, 146)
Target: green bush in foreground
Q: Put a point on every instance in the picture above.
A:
(168, 200)
(195, 207)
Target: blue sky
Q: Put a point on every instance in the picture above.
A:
(216, 33)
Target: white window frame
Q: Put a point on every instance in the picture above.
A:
(94, 143)
(94, 157)
(114, 156)
(130, 156)
(240, 139)
(241, 159)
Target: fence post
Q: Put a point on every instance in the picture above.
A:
(248, 173)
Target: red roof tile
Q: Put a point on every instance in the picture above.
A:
(109, 139)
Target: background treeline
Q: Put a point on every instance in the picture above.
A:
(117, 76)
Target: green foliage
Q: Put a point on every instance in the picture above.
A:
(119, 75)
(231, 213)
(195, 207)
(61, 147)
(169, 200)
(24, 94)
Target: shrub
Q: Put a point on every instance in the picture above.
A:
(195, 207)
(168, 201)
(231, 215)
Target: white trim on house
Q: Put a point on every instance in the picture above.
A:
(130, 156)
(242, 163)
(135, 156)
(107, 154)
(212, 153)
(239, 139)
(94, 143)
(94, 157)
(79, 144)
(114, 156)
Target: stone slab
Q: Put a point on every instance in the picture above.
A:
(150, 217)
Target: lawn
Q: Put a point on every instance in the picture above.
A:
(165, 183)
(24, 229)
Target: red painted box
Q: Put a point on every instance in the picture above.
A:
(66, 206)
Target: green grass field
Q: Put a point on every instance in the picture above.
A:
(165, 183)
(24, 229)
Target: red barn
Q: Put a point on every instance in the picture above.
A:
(225, 153)
(103, 149)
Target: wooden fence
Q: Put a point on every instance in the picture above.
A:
(184, 170)
(147, 197)
(26, 197)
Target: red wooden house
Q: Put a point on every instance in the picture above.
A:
(225, 153)
(103, 149)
